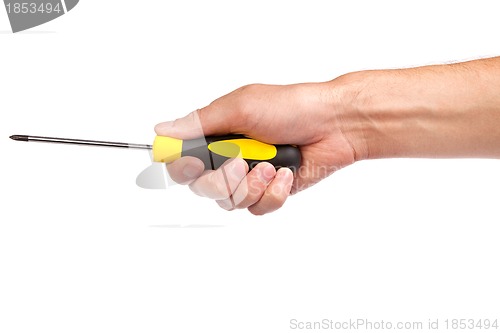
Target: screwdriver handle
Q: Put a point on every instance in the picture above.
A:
(215, 150)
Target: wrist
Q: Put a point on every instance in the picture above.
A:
(400, 113)
(349, 110)
(375, 114)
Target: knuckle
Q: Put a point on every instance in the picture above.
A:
(247, 89)
(246, 97)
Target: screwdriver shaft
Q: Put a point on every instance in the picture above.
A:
(80, 142)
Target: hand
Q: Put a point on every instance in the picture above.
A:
(431, 111)
(306, 115)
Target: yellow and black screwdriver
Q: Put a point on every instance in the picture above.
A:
(212, 150)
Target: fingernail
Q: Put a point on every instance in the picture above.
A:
(191, 171)
(266, 173)
(161, 127)
(284, 172)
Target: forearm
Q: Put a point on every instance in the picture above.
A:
(433, 111)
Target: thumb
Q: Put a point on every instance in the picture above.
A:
(210, 120)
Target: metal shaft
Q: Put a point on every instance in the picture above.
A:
(80, 142)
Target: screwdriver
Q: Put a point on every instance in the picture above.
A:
(212, 150)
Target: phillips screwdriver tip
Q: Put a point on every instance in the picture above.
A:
(19, 137)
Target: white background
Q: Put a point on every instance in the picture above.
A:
(82, 249)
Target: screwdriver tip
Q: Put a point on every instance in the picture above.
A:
(19, 137)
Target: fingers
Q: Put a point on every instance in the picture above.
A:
(251, 189)
(220, 117)
(188, 127)
(276, 193)
(185, 170)
(221, 183)
(214, 184)
(262, 191)
(236, 112)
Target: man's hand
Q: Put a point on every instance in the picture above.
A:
(306, 115)
(432, 111)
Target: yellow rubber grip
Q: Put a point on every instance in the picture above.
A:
(166, 149)
(243, 148)
(213, 151)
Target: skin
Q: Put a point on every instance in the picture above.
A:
(440, 111)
